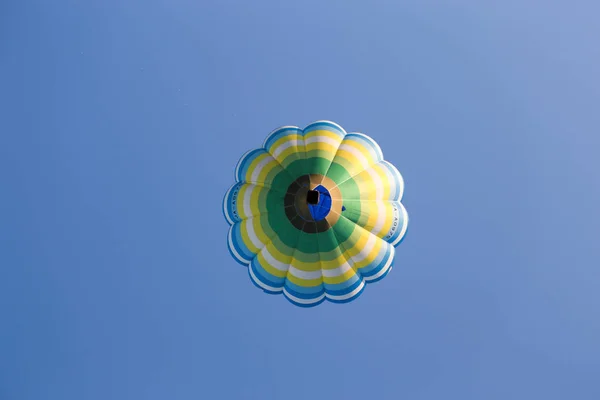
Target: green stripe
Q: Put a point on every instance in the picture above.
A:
(315, 164)
(337, 173)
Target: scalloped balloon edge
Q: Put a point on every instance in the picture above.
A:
(292, 299)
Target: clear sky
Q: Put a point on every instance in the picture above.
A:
(121, 123)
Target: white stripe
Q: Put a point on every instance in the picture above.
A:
(396, 179)
(348, 295)
(239, 164)
(378, 183)
(259, 283)
(302, 301)
(276, 131)
(342, 130)
(273, 262)
(251, 234)
(341, 270)
(298, 273)
(246, 201)
(323, 139)
(282, 147)
(259, 168)
(384, 269)
(356, 153)
(301, 274)
(232, 247)
(328, 273)
(391, 178)
(364, 253)
(381, 217)
(372, 142)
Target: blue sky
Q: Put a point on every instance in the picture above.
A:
(121, 125)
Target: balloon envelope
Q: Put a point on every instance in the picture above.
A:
(315, 213)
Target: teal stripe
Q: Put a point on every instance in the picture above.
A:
(245, 162)
(278, 134)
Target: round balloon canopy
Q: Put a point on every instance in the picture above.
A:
(315, 213)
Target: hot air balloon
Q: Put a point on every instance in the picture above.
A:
(315, 213)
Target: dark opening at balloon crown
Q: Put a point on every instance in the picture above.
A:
(312, 197)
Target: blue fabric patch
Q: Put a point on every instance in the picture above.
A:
(322, 208)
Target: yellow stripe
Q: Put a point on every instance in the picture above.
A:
(272, 164)
(322, 147)
(366, 185)
(280, 251)
(269, 268)
(372, 255)
(254, 164)
(256, 207)
(272, 248)
(306, 266)
(340, 278)
(240, 201)
(254, 200)
(352, 163)
(303, 282)
(298, 138)
(385, 179)
(323, 132)
(288, 156)
(371, 217)
(357, 242)
(258, 231)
